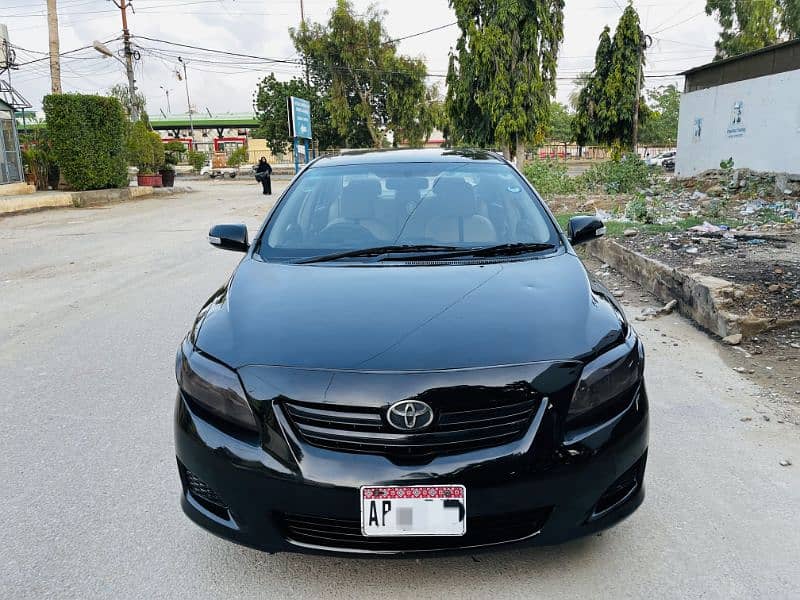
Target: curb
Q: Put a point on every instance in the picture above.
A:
(702, 298)
(17, 205)
(103, 197)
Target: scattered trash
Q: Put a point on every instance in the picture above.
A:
(630, 232)
(691, 250)
(785, 462)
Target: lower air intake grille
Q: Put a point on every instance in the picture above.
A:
(455, 429)
(203, 494)
(345, 534)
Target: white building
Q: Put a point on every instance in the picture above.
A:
(746, 108)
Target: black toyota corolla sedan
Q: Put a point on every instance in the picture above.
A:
(410, 357)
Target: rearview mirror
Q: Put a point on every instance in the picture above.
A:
(229, 237)
(585, 229)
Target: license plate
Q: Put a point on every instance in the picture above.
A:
(414, 510)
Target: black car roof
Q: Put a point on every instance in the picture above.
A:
(425, 155)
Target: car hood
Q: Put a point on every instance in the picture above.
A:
(406, 318)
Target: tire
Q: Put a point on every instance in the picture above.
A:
(232, 175)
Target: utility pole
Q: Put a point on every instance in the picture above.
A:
(188, 101)
(126, 42)
(166, 91)
(303, 25)
(647, 41)
(55, 61)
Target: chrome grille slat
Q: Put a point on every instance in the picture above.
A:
(455, 429)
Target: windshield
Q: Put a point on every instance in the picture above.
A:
(461, 205)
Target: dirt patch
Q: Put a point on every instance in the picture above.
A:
(767, 268)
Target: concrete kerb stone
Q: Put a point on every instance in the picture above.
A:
(702, 298)
(102, 197)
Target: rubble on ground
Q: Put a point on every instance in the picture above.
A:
(735, 224)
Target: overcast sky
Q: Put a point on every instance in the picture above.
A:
(683, 37)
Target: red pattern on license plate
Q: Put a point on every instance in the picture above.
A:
(413, 492)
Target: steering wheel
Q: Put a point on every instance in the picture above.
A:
(346, 232)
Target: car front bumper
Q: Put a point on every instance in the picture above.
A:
(550, 493)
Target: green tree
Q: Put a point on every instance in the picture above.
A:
(751, 25)
(606, 104)
(619, 97)
(270, 103)
(661, 127)
(507, 52)
(587, 125)
(559, 128)
(365, 83)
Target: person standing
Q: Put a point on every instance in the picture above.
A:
(264, 175)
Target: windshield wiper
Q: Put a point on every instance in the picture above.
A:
(377, 251)
(498, 250)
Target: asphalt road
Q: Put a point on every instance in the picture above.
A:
(93, 304)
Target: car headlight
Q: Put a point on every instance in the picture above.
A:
(607, 383)
(215, 388)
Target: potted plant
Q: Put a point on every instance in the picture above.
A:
(143, 153)
(172, 152)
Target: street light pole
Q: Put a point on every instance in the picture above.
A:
(126, 42)
(188, 101)
(166, 91)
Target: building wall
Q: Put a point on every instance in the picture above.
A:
(756, 121)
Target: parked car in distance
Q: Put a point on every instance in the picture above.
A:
(669, 164)
(410, 358)
(658, 161)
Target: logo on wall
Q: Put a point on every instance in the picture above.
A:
(736, 126)
(697, 130)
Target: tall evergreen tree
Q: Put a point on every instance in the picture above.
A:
(587, 125)
(502, 76)
(752, 25)
(619, 98)
(606, 104)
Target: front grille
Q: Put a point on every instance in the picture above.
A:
(455, 429)
(345, 534)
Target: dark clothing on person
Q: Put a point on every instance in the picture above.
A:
(264, 175)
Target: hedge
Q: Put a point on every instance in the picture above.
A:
(88, 139)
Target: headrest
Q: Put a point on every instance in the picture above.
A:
(407, 183)
(359, 198)
(491, 188)
(454, 198)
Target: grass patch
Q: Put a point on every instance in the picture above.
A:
(615, 229)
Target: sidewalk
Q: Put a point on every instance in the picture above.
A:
(52, 199)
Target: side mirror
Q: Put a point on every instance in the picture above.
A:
(585, 229)
(229, 237)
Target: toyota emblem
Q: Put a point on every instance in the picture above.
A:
(409, 415)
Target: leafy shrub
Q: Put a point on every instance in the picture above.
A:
(37, 158)
(145, 149)
(550, 177)
(238, 157)
(197, 159)
(88, 139)
(173, 151)
(636, 210)
(623, 176)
